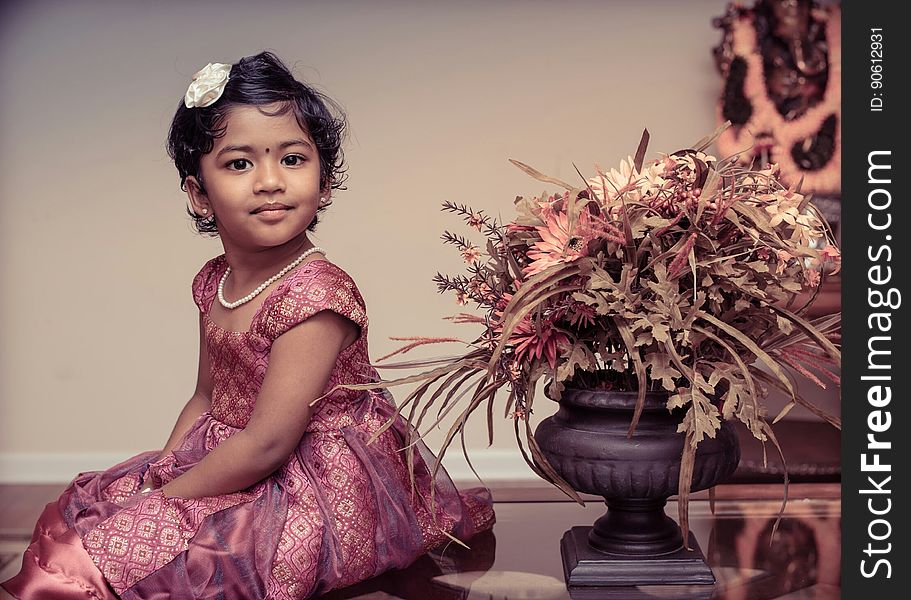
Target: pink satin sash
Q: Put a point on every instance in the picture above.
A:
(55, 565)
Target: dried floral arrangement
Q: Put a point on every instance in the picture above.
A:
(676, 275)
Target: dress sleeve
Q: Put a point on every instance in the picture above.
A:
(315, 287)
(205, 284)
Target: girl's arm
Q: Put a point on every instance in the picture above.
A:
(300, 363)
(201, 399)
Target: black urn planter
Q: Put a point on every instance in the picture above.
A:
(634, 542)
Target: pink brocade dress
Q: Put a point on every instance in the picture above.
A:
(337, 512)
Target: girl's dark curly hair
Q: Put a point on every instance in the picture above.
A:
(259, 80)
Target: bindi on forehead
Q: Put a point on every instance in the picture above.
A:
(267, 150)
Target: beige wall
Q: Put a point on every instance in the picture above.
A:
(96, 254)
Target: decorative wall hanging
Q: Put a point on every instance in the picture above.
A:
(781, 60)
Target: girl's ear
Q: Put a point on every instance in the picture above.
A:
(199, 202)
(325, 195)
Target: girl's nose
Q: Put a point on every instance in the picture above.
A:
(269, 178)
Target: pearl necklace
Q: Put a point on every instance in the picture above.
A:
(264, 285)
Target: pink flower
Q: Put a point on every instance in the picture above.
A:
(558, 244)
(627, 182)
(470, 253)
(582, 315)
(783, 258)
(679, 263)
(513, 228)
(502, 303)
(537, 344)
(526, 339)
(513, 370)
(475, 220)
(811, 276)
(832, 253)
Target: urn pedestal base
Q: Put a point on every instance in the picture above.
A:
(586, 567)
(635, 543)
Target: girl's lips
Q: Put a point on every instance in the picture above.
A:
(272, 213)
(270, 208)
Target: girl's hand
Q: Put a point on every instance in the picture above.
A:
(146, 483)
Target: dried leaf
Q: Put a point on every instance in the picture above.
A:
(640, 151)
(709, 139)
(784, 500)
(540, 176)
(660, 369)
(737, 361)
(810, 331)
(751, 345)
(626, 334)
(711, 186)
(784, 411)
(684, 483)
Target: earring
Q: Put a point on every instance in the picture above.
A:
(205, 211)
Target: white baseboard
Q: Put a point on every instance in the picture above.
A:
(491, 464)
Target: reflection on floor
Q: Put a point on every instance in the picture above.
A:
(520, 559)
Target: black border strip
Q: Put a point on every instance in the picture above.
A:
(872, 119)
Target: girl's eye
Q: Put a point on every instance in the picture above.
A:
(238, 164)
(293, 160)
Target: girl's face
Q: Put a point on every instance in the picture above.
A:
(262, 181)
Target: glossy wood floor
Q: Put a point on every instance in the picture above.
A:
(521, 557)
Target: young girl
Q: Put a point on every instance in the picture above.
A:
(256, 494)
